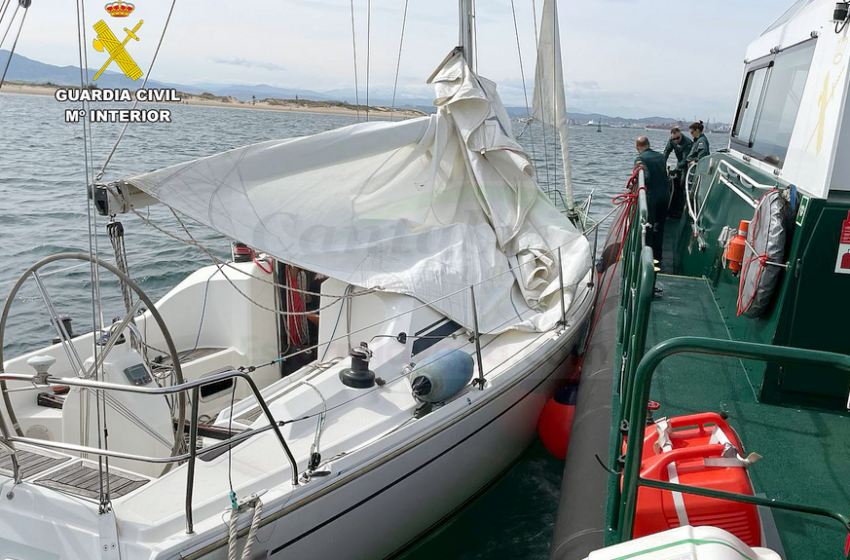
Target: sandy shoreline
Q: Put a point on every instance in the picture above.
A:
(286, 105)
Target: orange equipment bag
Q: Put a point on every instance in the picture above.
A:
(704, 452)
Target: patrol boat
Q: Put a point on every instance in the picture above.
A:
(712, 419)
(403, 302)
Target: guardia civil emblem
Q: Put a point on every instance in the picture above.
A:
(106, 41)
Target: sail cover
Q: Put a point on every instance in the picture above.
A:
(550, 103)
(425, 207)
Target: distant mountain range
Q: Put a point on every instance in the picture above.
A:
(23, 69)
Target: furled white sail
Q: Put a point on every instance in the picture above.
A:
(425, 207)
(550, 104)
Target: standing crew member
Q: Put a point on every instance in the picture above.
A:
(657, 192)
(699, 149)
(681, 145)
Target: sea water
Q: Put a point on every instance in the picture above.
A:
(43, 212)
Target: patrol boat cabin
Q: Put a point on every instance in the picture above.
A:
(719, 408)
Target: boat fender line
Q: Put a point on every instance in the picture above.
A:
(254, 503)
(764, 254)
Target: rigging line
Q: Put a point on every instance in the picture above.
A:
(354, 50)
(524, 90)
(6, 4)
(136, 101)
(398, 62)
(194, 243)
(417, 308)
(11, 21)
(368, 50)
(15, 43)
(99, 395)
(556, 141)
(220, 264)
(103, 495)
(9, 28)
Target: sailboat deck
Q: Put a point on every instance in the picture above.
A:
(806, 452)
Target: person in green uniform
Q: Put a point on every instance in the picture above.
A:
(681, 145)
(657, 192)
(699, 149)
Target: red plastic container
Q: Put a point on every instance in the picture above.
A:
(684, 463)
(689, 431)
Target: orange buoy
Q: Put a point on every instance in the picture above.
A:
(735, 249)
(556, 421)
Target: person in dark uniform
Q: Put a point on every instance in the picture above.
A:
(657, 192)
(699, 149)
(681, 145)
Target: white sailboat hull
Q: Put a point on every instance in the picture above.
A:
(379, 512)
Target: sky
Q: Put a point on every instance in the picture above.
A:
(629, 58)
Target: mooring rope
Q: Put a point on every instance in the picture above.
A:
(233, 527)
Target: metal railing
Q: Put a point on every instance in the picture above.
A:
(636, 291)
(193, 386)
(637, 425)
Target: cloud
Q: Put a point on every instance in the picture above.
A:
(263, 65)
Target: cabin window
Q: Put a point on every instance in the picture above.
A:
(770, 101)
(782, 102)
(753, 88)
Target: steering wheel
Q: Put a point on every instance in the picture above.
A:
(143, 298)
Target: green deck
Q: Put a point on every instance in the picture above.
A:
(806, 453)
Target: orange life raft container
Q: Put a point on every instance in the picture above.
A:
(699, 450)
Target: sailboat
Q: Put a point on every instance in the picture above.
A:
(401, 302)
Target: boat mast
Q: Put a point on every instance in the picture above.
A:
(467, 29)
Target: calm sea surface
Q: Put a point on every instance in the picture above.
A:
(43, 212)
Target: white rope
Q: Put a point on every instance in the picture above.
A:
(252, 532)
(398, 62)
